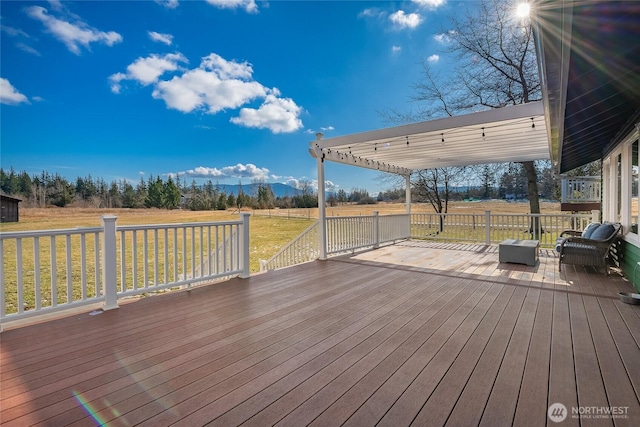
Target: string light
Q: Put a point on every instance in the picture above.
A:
(375, 147)
(407, 140)
(442, 136)
(533, 125)
(483, 134)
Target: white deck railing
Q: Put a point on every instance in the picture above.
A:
(303, 248)
(350, 233)
(344, 234)
(581, 189)
(51, 270)
(491, 228)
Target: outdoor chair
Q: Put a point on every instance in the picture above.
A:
(589, 247)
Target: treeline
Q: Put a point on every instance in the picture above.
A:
(47, 189)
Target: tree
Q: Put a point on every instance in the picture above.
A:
(154, 193)
(435, 186)
(170, 194)
(496, 67)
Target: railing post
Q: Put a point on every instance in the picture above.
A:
(487, 227)
(109, 273)
(595, 215)
(376, 229)
(244, 244)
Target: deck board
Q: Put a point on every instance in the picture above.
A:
(416, 333)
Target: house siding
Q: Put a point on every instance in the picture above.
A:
(630, 263)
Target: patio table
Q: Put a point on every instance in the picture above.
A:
(519, 251)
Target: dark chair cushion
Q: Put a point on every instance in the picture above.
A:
(588, 231)
(603, 232)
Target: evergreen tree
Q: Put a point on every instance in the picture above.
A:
(154, 193)
(170, 195)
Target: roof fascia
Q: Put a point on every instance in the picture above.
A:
(553, 51)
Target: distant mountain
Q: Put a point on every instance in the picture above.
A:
(279, 190)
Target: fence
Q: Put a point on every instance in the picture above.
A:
(581, 189)
(350, 233)
(46, 271)
(302, 249)
(344, 234)
(491, 228)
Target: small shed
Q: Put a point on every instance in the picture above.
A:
(9, 211)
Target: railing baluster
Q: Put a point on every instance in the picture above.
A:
(145, 259)
(20, 281)
(96, 250)
(69, 269)
(54, 271)
(36, 272)
(134, 258)
(166, 255)
(83, 266)
(123, 263)
(155, 257)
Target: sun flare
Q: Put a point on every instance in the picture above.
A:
(523, 10)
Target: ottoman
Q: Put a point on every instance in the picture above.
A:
(519, 251)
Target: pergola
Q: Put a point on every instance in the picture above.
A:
(511, 134)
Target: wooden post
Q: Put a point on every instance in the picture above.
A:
(322, 212)
(109, 273)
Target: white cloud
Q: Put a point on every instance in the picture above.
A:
(395, 48)
(293, 182)
(249, 170)
(200, 88)
(328, 185)
(280, 115)
(216, 85)
(73, 35)
(9, 95)
(326, 128)
(22, 36)
(37, 98)
(28, 49)
(443, 38)
(160, 37)
(13, 32)
(432, 4)
(433, 58)
(56, 5)
(372, 13)
(169, 4)
(402, 20)
(147, 70)
(249, 6)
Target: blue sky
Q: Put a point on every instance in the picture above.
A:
(229, 90)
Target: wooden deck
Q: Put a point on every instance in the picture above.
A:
(411, 334)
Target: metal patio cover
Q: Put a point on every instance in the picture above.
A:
(511, 134)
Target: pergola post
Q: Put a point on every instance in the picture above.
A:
(407, 192)
(322, 211)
